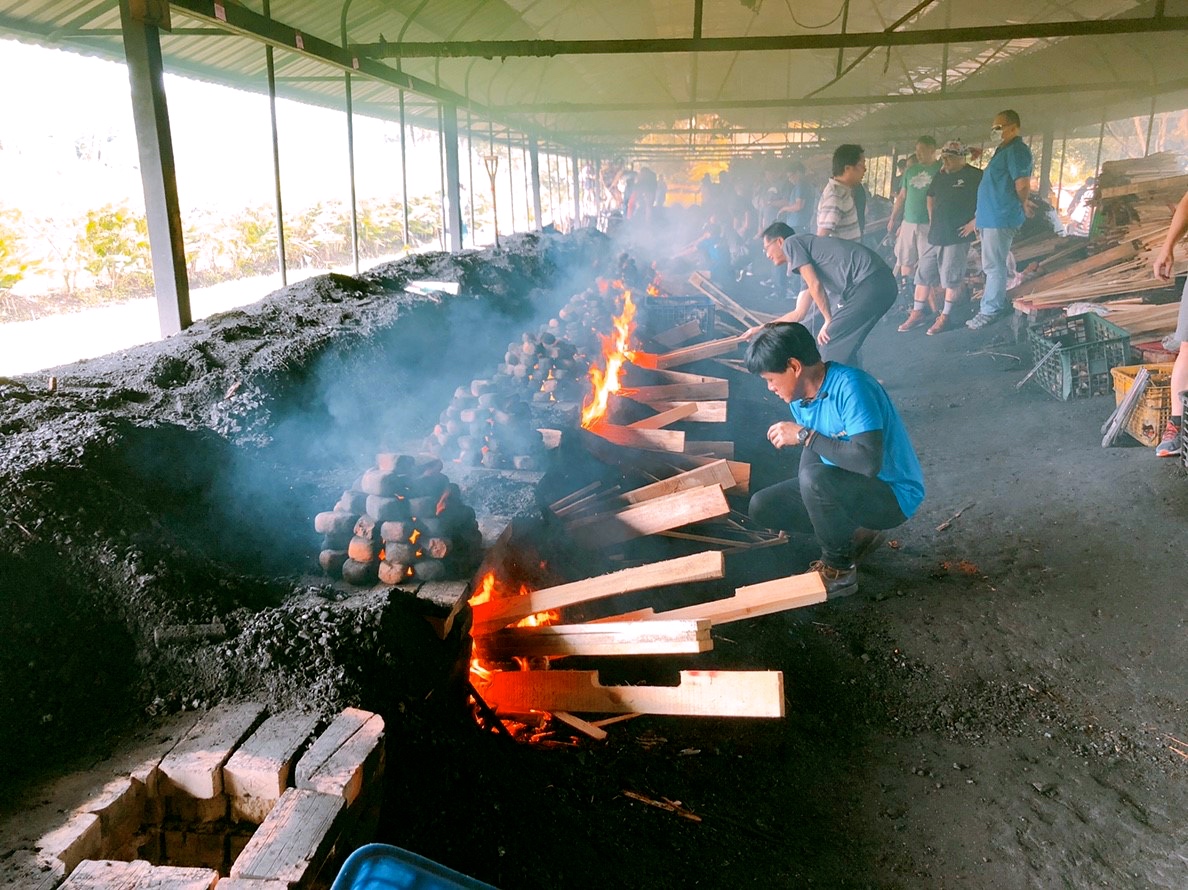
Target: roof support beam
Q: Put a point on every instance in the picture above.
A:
(822, 102)
(142, 47)
(502, 49)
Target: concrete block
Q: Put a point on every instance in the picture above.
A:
(259, 771)
(80, 838)
(195, 765)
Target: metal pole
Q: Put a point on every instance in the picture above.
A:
(452, 205)
(470, 174)
(1100, 140)
(1060, 175)
(404, 174)
(577, 191)
(1045, 180)
(1150, 125)
(150, 115)
(276, 172)
(441, 176)
(531, 223)
(534, 163)
(511, 183)
(351, 171)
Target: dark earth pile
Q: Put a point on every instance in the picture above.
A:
(998, 707)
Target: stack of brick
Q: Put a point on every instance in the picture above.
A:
(402, 521)
(239, 795)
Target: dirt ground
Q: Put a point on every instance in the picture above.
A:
(998, 706)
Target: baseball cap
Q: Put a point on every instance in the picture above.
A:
(954, 148)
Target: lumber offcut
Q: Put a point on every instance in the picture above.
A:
(494, 614)
(765, 598)
(716, 473)
(664, 418)
(604, 638)
(700, 694)
(656, 515)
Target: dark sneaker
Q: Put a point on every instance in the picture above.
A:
(982, 320)
(838, 582)
(867, 541)
(1172, 442)
(914, 320)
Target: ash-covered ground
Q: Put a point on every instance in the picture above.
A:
(999, 706)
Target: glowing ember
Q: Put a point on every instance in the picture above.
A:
(412, 539)
(443, 502)
(653, 291)
(616, 352)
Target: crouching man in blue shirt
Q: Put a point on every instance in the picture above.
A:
(858, 475)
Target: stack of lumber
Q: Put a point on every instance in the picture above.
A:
(1135, 202)
(502, 634)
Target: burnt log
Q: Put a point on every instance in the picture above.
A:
(437, 547)
(423, 507)
(352, 502)
(429, 569)
(354, 572)
(332, 561)
(387, 509)
(335, 523)
(379, 482)
(398, 531)
(389, 462)
(337, 542)
(399, 551)
(392, 572)
(367, 527)
(363, 550)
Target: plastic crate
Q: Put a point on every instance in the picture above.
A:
(384, 867)
(1151, 414)
(1089, 348)
(664, 313)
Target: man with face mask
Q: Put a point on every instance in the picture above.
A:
(1002, 208)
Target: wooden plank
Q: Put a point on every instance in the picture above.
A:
(337, 734)
(448, 596)
(171, 877)
(107, 874)
(494, 614)
(716, 473)
(573, 722)
(700, 694)
(648, 440)
(1102, 260)
(707, 448)
(723, 299)
(701, 351)
(618, 718)
(680, 392)
(294, 841)
(656, 515)
(79, 838)
(195, 765)
(258, 773)
(664, 418)
(752, 601)
(355, 764)
(705, 411)
(682, 333)
(603, 639)
(657, 463)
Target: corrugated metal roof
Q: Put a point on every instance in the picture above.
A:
(872, 94)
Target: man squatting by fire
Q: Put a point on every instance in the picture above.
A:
(859, 474)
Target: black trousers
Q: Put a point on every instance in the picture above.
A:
(860, 311)
(828, 502)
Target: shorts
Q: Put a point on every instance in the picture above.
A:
(911, 244)
(944, 265)
(1181, 334)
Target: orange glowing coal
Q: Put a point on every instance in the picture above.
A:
(412, 539)
(653, 291)
(616, 352)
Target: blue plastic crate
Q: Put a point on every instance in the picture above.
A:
(384, 867)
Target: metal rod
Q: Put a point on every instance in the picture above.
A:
(854, 39)
(404, 174)
(270, 66)
(1100, 141)
(470, 174)
(1150, 126)
(351, 172)
(441, 176)
(511, 183)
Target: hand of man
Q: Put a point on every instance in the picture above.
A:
(1164, 261)
(823, 336)
(783, 434)
(1028, 209)
(968, 229)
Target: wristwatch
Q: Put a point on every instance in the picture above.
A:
(803, 435)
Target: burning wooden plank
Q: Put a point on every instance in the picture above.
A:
(664, 418)
(705, 448)
(717, 473)
(753, 601)
(597, 733)
(604, 638)
(700, 694)
(649, 440)
(651, 516)
(682, 333)
(662, 465)
(705, 411)
(494, 614)
(690, 354)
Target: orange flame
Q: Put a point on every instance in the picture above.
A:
(443, 501)
(416, 534)
(653, 291)
(617, 352)
(486, 590)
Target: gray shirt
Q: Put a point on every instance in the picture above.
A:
(840, 264)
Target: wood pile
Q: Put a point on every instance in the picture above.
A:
(402, 520)
(1134, 205)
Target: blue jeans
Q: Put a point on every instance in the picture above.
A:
(996, 244)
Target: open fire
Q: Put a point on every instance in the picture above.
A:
(617, 352)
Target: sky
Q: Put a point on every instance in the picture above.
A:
(222, 141)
